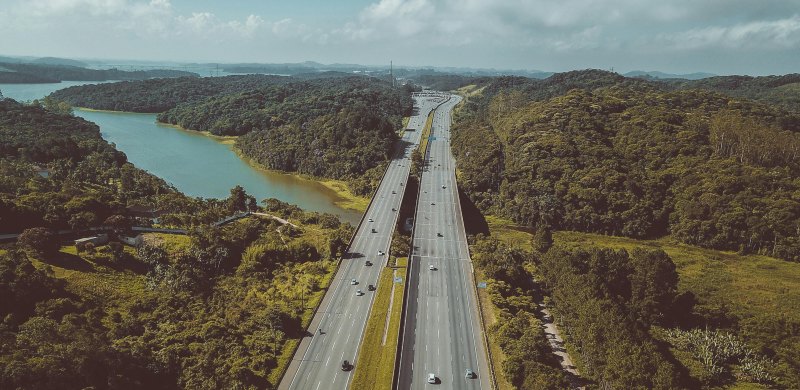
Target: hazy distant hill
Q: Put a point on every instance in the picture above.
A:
(781, 91)
(59, 61)
(41, 73)
(661, 75)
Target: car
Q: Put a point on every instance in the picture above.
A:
(345, 365)
(371, 220)
(381, 253)
(394, 209)
(469, 374)
(394, 192)
(370, 288)
(431, 378)
(359, 293)
(353, 282)
(443, 186)
(439, 235)
(374, 231)
(401, 183)
(432, 203)
(431, 267)
(368, 263)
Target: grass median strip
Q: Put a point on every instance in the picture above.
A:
(378, 357)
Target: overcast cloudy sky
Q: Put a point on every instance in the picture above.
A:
(719, 36)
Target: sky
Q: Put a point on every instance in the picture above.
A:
(755, 37)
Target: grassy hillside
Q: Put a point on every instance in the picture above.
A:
(223, 308)
(756, 298)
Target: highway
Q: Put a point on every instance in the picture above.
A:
(441, 331)
(336, 330)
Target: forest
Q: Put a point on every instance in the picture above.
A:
(56, 171)
(593, 151)
(323, 125)
(221, 307)
(14, 73)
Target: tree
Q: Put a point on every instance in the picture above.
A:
(39, 240)
(119, 223)
(654, 285)
(542, 240)
(416, 162)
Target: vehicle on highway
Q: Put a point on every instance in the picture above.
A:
(345, 365)
(370, 288)
(374, 231)
(393, 209)
(431, 378)
(443, 186)
(432, 203)
(381, 253)
(359, 293)
(431, 267)
(367, 263)
(394, 192)
(371, 220)
(353, 282)
(469, 374)
(439, 235)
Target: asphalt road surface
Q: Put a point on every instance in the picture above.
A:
(442, 333)
(336, 330)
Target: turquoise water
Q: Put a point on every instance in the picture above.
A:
(195, 164)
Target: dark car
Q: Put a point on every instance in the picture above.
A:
(371, 288)
(367, 263)
(346, 365)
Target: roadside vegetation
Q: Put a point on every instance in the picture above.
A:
(654, 220)
(717, 327)
(223, 310)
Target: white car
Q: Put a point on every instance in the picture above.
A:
(353, 282)
(371, 220)
(431, 267)
(431, 378)
(381, 253)
(359, 293)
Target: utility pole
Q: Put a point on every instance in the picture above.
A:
(391, 72)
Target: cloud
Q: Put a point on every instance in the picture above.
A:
(156, 18)
(775, 34)
(575, 25)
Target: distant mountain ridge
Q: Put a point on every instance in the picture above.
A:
(661, 75)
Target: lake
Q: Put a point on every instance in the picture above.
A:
(195, 164)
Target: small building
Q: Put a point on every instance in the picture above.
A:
(99, 239)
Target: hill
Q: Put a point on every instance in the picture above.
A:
(780, 91)
(59, 61)
(58, 172)
(53, 73)
(662, 75)
(321, 124)
(159, 95)
(597, 152)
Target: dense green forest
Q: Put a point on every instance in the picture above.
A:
(324, 125)
(13, 73)
(219, 308)
(338, 128)
(57, 171)
(158, 95)
(593, 151)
